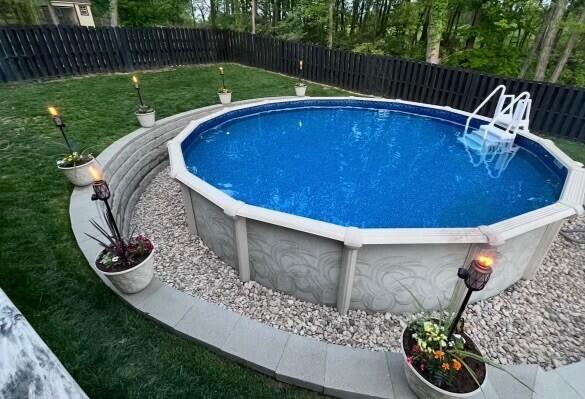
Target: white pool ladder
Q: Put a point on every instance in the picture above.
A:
(511, 115)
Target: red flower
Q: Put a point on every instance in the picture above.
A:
(409, 359)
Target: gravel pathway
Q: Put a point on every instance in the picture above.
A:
(540, 321)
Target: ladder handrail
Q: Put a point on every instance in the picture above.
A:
(521, 96)
(483, 103)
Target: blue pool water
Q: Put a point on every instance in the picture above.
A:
(365, 167)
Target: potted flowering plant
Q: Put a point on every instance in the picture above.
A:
(300, 86)
(441, 362)
(127, 263)
(144, 113)
(75, 166)
(438, 367)
(225, 94)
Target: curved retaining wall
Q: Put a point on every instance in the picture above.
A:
(378, 270)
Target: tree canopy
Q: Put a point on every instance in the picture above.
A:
(534, 39)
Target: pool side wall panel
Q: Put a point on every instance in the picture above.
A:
(386, 273)
(215, 228)
(297, 263)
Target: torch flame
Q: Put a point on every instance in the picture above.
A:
(221, 70)
(301, 64)
(53, 111)
(95, 173)
(485, 261)
(134, 79)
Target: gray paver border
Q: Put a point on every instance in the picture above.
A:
(196, 319)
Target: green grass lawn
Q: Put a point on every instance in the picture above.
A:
(112, 351)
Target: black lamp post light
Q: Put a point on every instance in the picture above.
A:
(475, 276)
(222, 76)
(300, 86)
(101, 192)
(300, 72)
(60, 125)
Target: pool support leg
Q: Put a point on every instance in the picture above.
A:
(241, 238)
(352, 243)
(189, 209)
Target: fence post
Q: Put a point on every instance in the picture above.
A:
(124, 48)
(471, 88)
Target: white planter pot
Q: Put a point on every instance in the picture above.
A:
(79, 175)
(425, 390)
(300, 91)
(146, 120)
(133, 280)
(225, 98)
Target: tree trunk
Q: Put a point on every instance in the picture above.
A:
(275, 12)
(560, 6)
(436, 22)
(212, 13)
(253, 17)
(470, 42)
(567, 51)
(193, 11)
(354, 16)
(114, 13)
(331, 24)
(535, 47)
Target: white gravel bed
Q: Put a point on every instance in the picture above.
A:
(540, 321)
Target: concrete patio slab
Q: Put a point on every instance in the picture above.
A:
(208, 324)
(550, 385)
(166, 305)
(507, 387)
(574, 375)
(139, 298)
(303, 363)
(396, 370)
(357, 373)
(256, 345)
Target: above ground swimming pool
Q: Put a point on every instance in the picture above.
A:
(356, 202)
(366, 165)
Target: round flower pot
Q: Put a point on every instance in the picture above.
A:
(147, 119)
(225, 98)
(300, 90)
(423, 389)
(132, 280)
(79, 175)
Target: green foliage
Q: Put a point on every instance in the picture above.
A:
(74, 159)
(19, 12)
(145, 12)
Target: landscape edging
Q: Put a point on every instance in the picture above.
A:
(306, 362)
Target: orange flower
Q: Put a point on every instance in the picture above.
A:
(439, 354)
(445, 366)
(456, 364)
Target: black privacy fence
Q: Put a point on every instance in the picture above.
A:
(47, 51)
